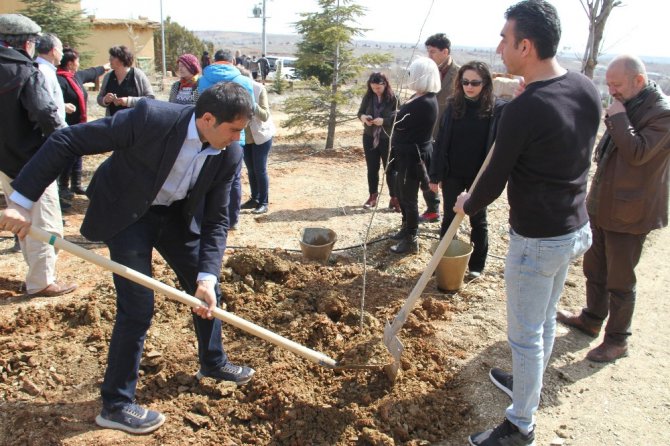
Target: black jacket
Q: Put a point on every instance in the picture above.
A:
(439, 167)
(70, 96)
(145, 141)
(387, 113)
(27, 113)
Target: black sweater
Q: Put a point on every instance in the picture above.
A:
(543, 152)
(415, 121)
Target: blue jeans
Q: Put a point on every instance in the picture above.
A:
(162, 228)
(535, 272)
(256, 160)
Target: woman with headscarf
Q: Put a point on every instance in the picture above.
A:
(185, 90)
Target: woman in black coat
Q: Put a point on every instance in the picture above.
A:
(467, 132)
(376, 112)
(413, 147)
(72, 80)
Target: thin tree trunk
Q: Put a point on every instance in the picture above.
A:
(597, 12)
(332, 116)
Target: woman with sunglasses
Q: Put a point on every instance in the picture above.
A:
(413, 147)
(376, 114)
(467, 132)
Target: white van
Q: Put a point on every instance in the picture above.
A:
(287, 65)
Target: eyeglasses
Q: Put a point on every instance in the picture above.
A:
(378, 82)
(465, 83)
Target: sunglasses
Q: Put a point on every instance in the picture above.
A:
(465, 83)
(378, 82)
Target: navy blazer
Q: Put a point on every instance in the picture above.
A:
(145, 141)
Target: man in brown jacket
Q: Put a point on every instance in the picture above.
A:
(438, 47)
(627, 200)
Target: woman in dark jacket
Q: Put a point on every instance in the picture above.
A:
(467, 132)
(72, 80)
(376, 113)
(413, 147)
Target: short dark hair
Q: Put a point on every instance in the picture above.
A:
(122, 53)
(223, 56)
(45, 43)
(440, 41)
(69, 55)
(537, 21)
(227, 101)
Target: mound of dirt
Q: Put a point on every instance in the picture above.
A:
(57, 353)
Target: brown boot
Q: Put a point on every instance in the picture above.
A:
(607, 352)
(577, 321)
(372, 201)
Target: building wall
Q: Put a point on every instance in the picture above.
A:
(137, 35)
(14, 6)
(139, 40)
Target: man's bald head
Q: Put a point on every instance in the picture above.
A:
(626, 76)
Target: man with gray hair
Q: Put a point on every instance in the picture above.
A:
(49, 50)
(628, 199)
(28, 115)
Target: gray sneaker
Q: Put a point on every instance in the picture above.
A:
(505, 434)
(238, 374)
(502, 380)
(130, 418)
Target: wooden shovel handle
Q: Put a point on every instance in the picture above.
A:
(414, 295)
(180, 296)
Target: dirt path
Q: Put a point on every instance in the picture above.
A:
(583, 403)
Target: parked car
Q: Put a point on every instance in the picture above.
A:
(287, 65)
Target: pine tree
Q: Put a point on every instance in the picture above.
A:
(325, 53)
(178, 40)
(67, 23)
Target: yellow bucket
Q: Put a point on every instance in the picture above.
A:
(317, 243)
(451, 269)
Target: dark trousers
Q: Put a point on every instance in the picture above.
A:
(235, 198)
(256, 160)
(162, 228)
(374, 159)
(432, 201)
(609, 267)
(71, 173)
(407, 190)
(479, 236)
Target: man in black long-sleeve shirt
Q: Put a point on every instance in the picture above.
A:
(543, 151)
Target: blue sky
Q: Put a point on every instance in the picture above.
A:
(639, 27)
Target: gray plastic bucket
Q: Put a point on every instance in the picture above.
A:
(450, 271)
(317, 243)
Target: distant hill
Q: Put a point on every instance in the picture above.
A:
(285, 45)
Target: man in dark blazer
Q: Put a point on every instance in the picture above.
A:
(165, 186)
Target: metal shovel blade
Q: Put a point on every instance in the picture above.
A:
(395, 346)
(391, 330)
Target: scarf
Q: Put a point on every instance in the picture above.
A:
(376, 113)
(69, 76)
(190, 83)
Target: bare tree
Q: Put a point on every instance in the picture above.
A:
(597, 11)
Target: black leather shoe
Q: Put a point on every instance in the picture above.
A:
(407, 245)
(262, 209)
(400, 234)
(249, 204)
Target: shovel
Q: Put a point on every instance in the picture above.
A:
(180, 296)
(391, 340)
